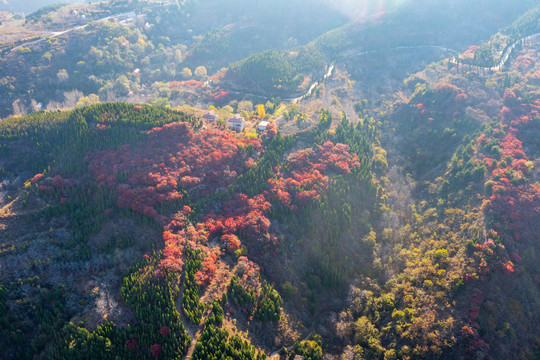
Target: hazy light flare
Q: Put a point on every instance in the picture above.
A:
(365, 10)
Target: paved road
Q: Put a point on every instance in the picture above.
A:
(504, 57)
(353, 53)
(50, 35)
(349, 54)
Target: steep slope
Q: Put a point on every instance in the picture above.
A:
(457, 278)
(137, 231)
(226, 206)
(453, 25)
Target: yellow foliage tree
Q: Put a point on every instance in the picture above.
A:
(260, 111)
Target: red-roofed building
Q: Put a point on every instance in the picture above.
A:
(237, 123)
(210, 117)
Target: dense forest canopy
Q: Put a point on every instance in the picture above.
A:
(380, 199)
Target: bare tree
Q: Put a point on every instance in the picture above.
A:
(54, 105)
(71, 98)
(19, 108)
(34, 106)
(62, 75)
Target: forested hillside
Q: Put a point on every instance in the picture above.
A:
(132, 50)
(456, 278)
(219, 199)
(438, 23)
(383, 215)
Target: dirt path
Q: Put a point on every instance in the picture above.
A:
(213, 291)
(194, 339)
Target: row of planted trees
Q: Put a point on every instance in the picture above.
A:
(216, 343)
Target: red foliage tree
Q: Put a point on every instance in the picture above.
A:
(155, 350)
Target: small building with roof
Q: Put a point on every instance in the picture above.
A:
(210, 116)
(262, 125)
(236, 122)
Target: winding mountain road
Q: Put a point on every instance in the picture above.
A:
(504, 58)
(50, 35)
(505, 55)
(352, 53)
(331, 67)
